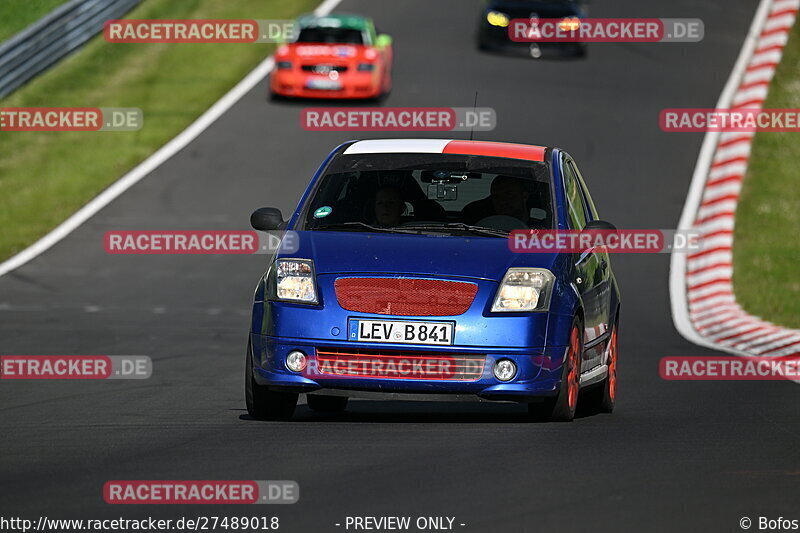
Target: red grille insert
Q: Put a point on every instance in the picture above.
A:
(404, 296)
(400, 365)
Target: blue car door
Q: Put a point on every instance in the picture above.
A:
(591, 271)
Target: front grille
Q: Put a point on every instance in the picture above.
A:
(405, 296)
(385, 364)
(324, 69)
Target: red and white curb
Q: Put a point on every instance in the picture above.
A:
(704, 308)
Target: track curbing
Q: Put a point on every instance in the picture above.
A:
(704, 308)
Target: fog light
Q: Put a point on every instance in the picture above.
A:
(504, 369)
(296, 361)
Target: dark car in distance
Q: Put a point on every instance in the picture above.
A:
(497, 15)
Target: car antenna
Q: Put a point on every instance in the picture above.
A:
(474, 110)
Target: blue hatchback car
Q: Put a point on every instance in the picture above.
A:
(404, 284)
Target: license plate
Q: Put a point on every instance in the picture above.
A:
(323, 85)
(438, 333)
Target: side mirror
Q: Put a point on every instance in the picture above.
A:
(383, 40)
(267, 219)
(600, 225)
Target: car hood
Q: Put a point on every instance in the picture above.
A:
(391, 253)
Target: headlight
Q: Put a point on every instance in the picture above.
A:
(570, 24)
(524, 289)
(284, 65)
(366, 67)
(295, 281)
(495, 18)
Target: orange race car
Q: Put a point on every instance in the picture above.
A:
(335, 56)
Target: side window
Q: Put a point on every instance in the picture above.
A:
(372, 34)
(586, 196)
(575, 205)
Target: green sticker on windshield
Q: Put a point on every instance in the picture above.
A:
(323, 211)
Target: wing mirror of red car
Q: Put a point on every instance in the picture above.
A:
(383, 40)
(267, 219)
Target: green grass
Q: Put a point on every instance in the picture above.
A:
(47, 176)
(766, 252)
(16, 15)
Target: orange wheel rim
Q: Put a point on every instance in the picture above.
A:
(612, 365)
(574, 372)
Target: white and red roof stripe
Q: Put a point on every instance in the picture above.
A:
(447, 146)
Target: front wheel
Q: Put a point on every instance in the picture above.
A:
(562, 406)
(603, 397)
(262, 403)
(272, 96)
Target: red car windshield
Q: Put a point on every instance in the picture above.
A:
(330, 36)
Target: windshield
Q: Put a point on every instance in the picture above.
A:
(330, 35)
(431, 193)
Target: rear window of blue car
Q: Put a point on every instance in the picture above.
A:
(407, 190)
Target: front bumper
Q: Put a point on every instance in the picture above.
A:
(538, 371)
(294, 83)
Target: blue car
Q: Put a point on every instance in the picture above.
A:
(404, 284)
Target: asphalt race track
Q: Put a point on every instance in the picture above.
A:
(675, 456)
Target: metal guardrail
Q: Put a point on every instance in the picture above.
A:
(53, 37)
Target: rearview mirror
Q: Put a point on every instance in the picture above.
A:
(267, 219)
(383, 40)
(600, 225)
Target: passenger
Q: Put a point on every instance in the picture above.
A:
(510, 198)
(389, 207)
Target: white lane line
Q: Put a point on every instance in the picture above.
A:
(144, 168)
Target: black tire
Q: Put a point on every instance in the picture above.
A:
(383, 94)
(380, 98)
(326, 404)
(561, 408)
(262, 403)
(482, 43)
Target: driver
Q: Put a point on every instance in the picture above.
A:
(510, 198)
(389, 206)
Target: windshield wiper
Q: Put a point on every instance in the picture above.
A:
(362, 225)
(479, 230)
